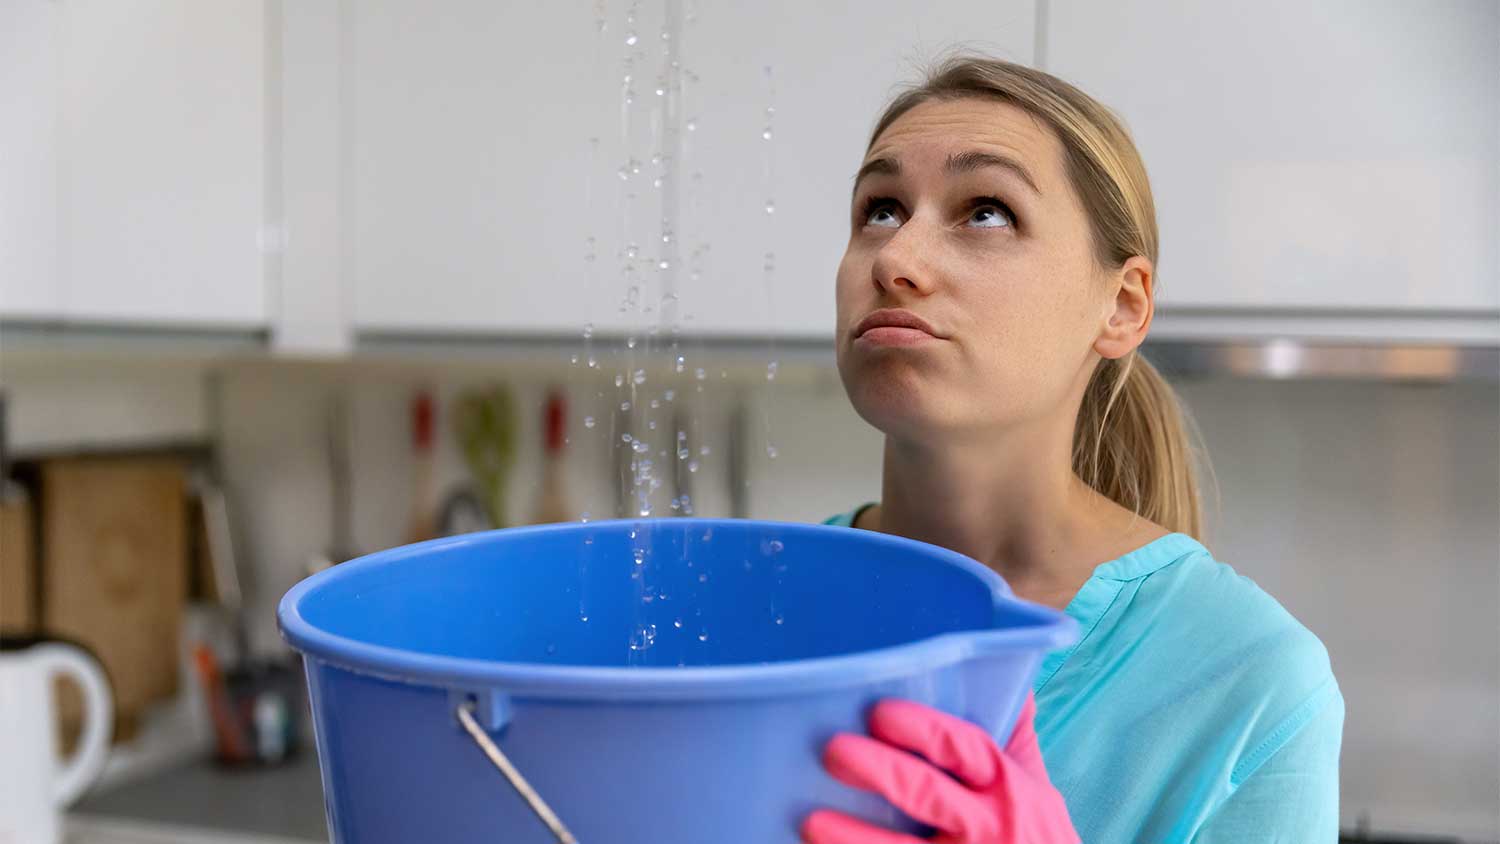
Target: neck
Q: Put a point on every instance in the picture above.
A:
(1011, 502)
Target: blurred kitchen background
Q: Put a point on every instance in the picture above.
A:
(285, 282)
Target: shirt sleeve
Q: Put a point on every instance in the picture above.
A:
(1293, 796)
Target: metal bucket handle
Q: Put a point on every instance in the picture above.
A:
(495, 710)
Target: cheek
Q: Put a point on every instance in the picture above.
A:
(849, 281)
(1033, 327)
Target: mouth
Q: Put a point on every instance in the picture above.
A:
(895, 327)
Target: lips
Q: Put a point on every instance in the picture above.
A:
(893, 318)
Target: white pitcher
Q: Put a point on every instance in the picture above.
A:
(35, 785)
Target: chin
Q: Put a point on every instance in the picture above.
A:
(896, 398)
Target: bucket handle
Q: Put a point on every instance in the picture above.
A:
(465, 713)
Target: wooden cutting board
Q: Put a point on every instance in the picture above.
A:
(114, 569)
(17, 568)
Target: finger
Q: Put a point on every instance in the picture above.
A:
(963, 748)
(1022, 746)
(915, 787)
(826, 827)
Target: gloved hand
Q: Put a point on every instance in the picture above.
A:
(993, 796)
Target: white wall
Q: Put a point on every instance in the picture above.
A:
(1371, 512)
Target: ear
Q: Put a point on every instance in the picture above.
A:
(1128, 316)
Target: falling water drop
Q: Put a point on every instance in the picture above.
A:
(631, 39)
(771, 370)
(588, 421)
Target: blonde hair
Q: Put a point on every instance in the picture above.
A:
(1132, 440)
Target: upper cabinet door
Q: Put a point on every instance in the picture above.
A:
(489, 142)
(161, 142)
(1307, 156)
(467, 131)
(833, 66)
(28, 159)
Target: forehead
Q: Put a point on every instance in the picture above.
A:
(926, 135)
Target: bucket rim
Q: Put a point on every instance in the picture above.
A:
(1044, 629)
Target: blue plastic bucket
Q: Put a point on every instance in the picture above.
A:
(657, 682)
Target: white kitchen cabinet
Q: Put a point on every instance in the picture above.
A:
(162, 138)
(470, 199)
(29, 52)
(1336, 162)
(834, 66)
(154, 166)
(466, 143)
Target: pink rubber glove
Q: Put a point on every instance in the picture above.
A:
(993, 796)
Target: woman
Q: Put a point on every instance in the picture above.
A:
(998, 281)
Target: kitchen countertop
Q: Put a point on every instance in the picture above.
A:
(202, 802)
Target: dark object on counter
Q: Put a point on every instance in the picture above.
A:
(1355, 837)
(1361, 835)
(256, 709)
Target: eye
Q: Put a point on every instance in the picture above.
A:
(880, 211)
(990, 213)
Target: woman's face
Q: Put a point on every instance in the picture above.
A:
(963, 217)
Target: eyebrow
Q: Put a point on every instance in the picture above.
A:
(960, 162)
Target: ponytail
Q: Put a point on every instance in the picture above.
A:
(1133, 445)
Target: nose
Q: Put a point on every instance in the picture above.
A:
(899, 265)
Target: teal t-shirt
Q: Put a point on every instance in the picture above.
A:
(1193, 708)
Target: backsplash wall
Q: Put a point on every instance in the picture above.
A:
(1368, 508)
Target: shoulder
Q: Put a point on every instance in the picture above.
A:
(1264, 675)
(1236, 619)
